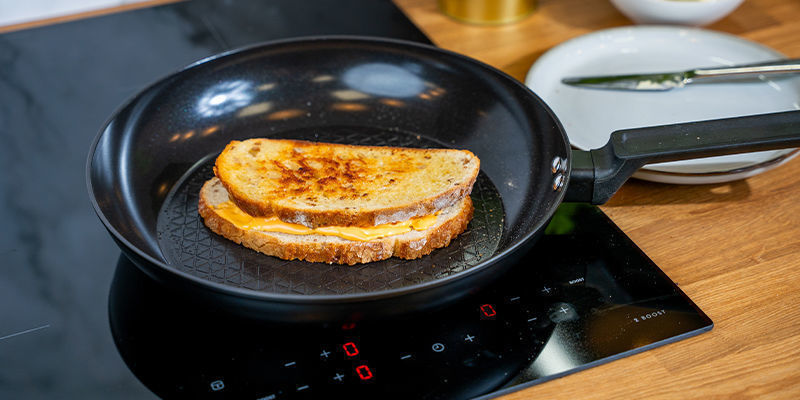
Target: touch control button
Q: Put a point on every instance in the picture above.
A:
(437, 347)
(576, 280)
(562, 312)
(217, 385)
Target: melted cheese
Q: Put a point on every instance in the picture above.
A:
(233, 214)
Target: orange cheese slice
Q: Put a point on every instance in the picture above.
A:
(233, 214)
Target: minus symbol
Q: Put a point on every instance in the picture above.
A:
(289, 364)
(532, 319)
(514, 298)
(304, 387)
(405, 356)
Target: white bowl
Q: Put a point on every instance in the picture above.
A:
(681, 12)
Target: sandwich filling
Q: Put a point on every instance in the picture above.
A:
(233, 214)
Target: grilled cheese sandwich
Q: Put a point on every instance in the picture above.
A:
(307, 216)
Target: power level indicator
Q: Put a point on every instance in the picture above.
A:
(364, 373)
(350, 349)
(487, 311)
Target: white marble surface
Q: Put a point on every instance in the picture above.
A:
(19, 11)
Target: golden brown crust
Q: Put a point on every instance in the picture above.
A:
(333, 184)
(339, 251)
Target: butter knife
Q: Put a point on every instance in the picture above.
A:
(671, 80)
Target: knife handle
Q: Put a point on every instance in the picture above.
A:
(597, 174)
(745, 71)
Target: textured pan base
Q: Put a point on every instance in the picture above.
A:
(191, 247)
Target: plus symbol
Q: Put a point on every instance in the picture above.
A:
(547, 290)
(563, 310)
(469, 338)
(338, 377)
(324, 353)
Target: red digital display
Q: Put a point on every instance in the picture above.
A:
(488, 311)
(350, 349)
(363, 372)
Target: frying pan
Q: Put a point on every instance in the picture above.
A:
(147, 163)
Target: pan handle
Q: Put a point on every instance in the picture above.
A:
(598, 174)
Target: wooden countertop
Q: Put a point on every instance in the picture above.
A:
(733, 248)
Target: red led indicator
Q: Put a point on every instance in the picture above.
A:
(363, 372)
(348, 326)
(350, 349)
(488, 311)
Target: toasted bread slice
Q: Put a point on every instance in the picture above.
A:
(319, 184)
(450, 222)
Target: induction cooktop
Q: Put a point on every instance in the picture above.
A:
(583, 296)
(80, 321)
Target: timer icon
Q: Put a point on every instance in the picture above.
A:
(437, 347)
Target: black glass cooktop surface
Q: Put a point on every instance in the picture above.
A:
(584, 295)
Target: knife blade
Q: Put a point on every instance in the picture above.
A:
(661, 81)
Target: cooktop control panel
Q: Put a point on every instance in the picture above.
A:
(466, 354)
(584, 295)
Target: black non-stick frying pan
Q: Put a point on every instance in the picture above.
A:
(146, 166)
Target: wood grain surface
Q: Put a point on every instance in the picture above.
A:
(734, 248)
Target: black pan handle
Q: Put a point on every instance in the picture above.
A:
(598, 174)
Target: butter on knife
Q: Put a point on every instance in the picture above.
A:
(670, 80)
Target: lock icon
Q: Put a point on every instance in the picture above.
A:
(217, 385)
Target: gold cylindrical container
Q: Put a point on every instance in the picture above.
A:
(487, 11)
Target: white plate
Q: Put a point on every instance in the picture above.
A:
(589, 115)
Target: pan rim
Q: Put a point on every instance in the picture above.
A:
(220, 288)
